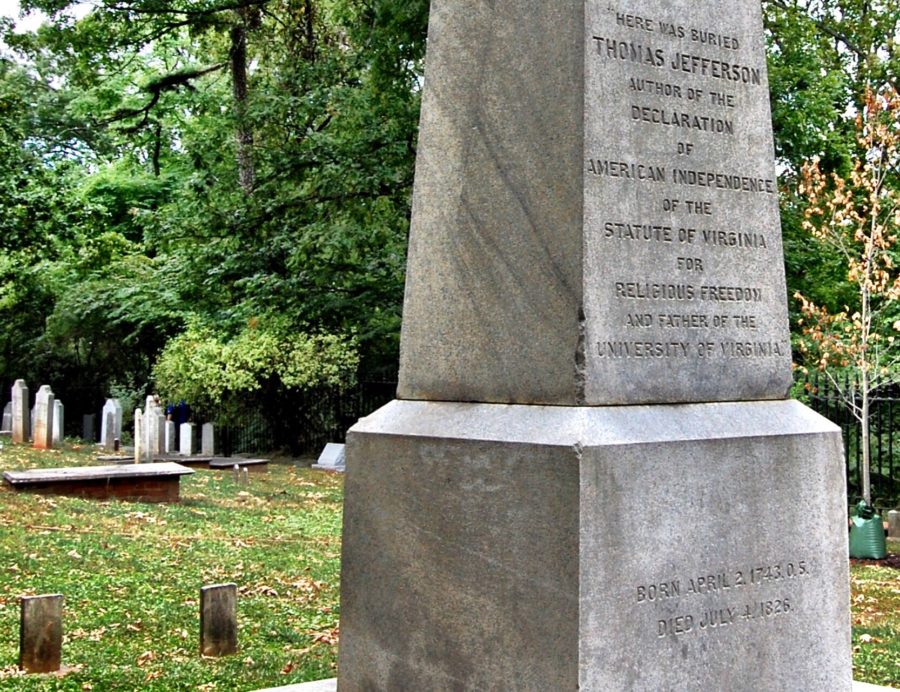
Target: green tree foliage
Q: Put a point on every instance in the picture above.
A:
(199, 367)
(823, 57)
(220, 164)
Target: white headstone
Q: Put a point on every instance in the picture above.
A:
(58, 423)
(107, 435)
(43, 418)
(331, 458)
(138, 435)
(186, 439)
(21, 419)
(208, 440)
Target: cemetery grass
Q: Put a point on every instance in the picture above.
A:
(875, 605)
(131, 575)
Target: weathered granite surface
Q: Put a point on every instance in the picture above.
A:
(491, 543)
(330, 685)
(595, 219)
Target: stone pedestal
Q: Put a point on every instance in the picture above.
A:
(622, 548)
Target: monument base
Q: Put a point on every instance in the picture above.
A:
(699, 546)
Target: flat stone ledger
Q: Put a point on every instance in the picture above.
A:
(614, 237)
(689, 547)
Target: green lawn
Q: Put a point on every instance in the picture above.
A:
(875, 601)
(131, 574)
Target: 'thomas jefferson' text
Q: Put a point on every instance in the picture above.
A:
(628, 51)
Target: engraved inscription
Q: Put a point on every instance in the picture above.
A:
(736, 583)
(684, 222)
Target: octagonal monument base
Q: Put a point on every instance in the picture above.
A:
(699, 546)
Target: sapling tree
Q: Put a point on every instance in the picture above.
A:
(858, 216)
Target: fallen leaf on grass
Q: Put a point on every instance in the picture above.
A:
(328, 637)
(145, 658)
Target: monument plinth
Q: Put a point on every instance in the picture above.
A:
(591, 479)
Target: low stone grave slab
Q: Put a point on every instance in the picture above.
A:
(252, 465)
(331, 458)
(193, 461)
(140, 482)
(115, 459)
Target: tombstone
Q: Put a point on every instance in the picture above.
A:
(186, 439)
(58, 423)
(44, 408)
(108, 435)
(6, 426)
(139, 443)
(169, 437)
(218, 620)
(154, 428)
(894, 523)
(108, 431)
(21, 422)
(40, 633)
(207, 440)
(331, 458)
(89, 427)
(595, 335)
(31, 416)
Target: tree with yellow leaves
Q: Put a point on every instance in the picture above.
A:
(859, 217)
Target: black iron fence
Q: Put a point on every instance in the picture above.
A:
(300, 423)
(830, 400)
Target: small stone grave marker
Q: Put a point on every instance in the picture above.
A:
(88, 427)
(6, 427)
(894, 524)
(218, 620)
(331, 458)
(40, 633)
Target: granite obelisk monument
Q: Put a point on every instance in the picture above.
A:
(592, 478)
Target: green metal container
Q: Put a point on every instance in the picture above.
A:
(867, 534)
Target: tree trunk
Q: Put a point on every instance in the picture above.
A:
(243, 133)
